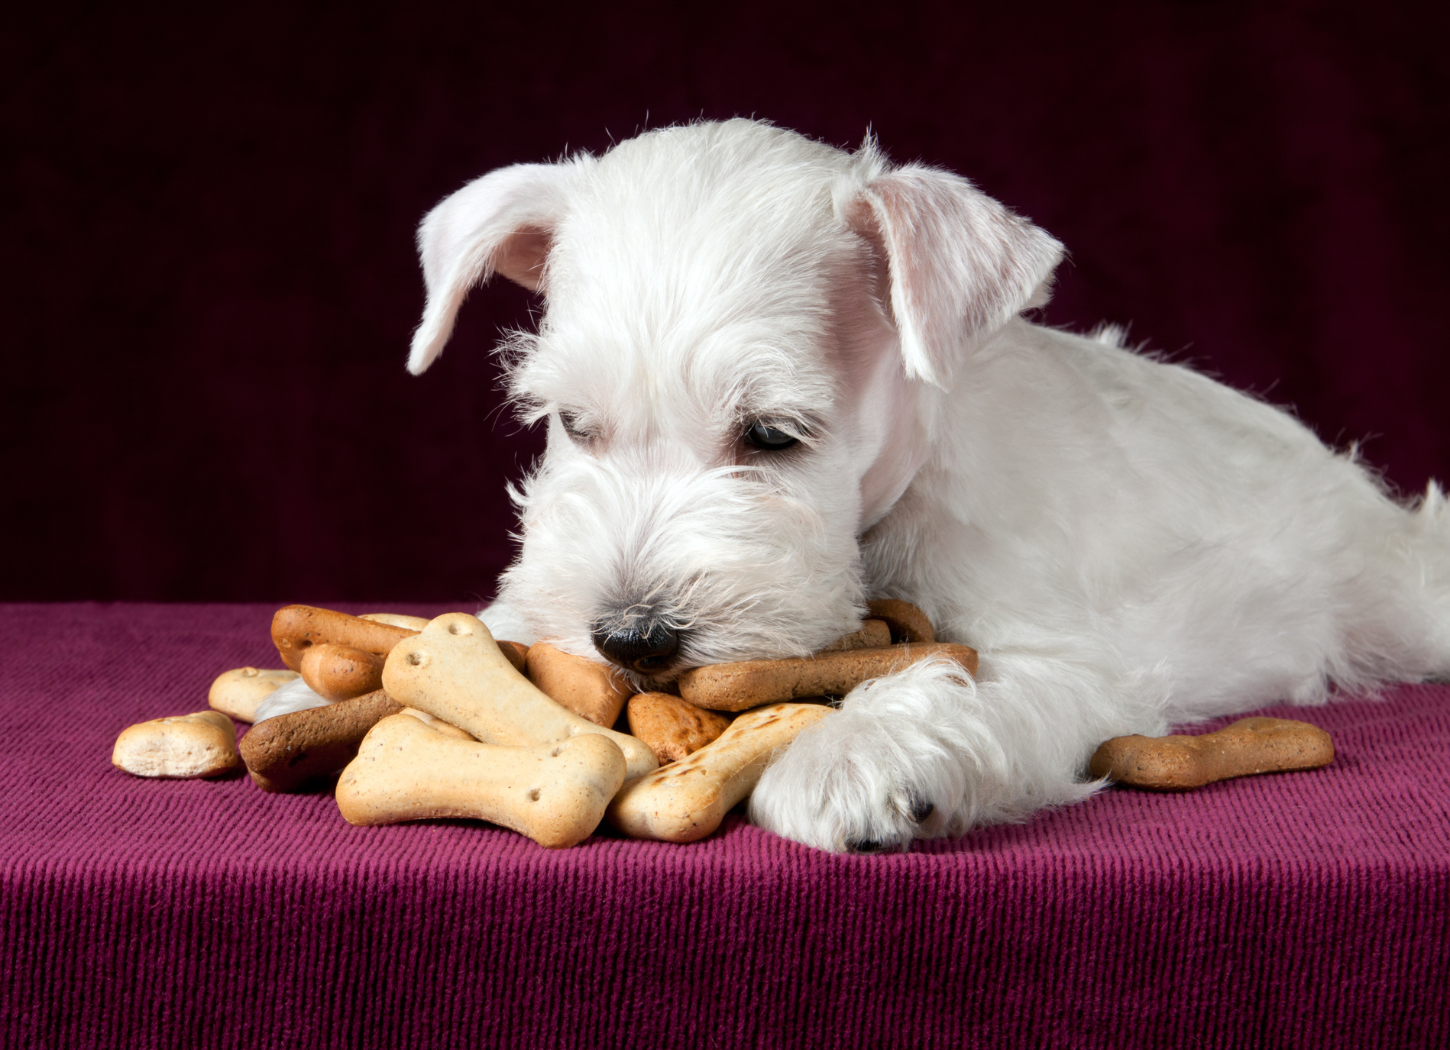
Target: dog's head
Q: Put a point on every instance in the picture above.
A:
(743, 334)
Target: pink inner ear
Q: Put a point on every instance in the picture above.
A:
(522, 255)
(961, 265)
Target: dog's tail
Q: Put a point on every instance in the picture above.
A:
(1426, 548)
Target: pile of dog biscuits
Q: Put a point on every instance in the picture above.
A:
(435, 718)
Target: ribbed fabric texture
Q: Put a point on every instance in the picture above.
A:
(1305, 909)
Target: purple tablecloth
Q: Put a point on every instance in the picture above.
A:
(1308, 909)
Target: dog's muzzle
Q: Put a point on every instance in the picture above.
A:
(637, 641)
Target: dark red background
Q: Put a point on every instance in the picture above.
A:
(208, 282)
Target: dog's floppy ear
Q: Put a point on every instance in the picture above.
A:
(960, 265)
(501, 223)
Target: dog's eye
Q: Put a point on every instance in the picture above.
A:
(572, 427)
(772, 439)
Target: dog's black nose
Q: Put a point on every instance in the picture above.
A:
(648, 647)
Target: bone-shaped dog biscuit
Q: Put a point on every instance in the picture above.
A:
(1246, 747)
(435, 724)
(296, 628)
(184, 746)
(454, 671)
(237, 693)
(738, 686)
(688, 799)
(515, 651)
(340, 672)
(590, 689)
(555, 794)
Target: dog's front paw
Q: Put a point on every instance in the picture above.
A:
(841, 786)
(908, 756)
(904, 758)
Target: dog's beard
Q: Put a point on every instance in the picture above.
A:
(721, 556)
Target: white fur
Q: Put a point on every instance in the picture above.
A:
(285, 699)
(1127, 543)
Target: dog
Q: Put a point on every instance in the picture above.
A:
(781, 379)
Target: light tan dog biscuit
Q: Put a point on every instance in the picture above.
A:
(515, 651)
(340, 672)
(237, 693)
(411, 623)
(436, 724)
(555, 793)
(1180, 763)
(688, 799)
(184, 746)
(454, 671)
(590, 689)
(906, 621)
(739, 686)
(673, 728)
(296, 628)
(872, 635)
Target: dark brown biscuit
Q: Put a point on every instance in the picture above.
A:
(285, 752)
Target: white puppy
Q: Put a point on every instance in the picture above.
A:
(781, 379)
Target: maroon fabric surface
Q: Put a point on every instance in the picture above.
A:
(1308, 909)
(208, 279)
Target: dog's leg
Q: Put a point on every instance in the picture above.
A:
(928, 752)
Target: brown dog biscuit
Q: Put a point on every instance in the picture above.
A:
(285, 752)
(1180, 763)
(237, 693)
(687, 800)
(296, 628)
(872, 635)
(184, 746)
(739, 686)
(517, 653)
(337, 672)
(673, 728)
(590, 689)
(906, 621)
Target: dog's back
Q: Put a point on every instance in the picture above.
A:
(1206, 540)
